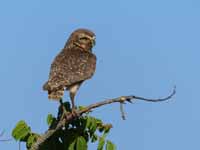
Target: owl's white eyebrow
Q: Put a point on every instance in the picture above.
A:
(91, 38)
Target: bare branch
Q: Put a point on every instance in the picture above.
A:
(122, 111)
(156, 100)
(68, 116)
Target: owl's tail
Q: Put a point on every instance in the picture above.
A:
(53, 94)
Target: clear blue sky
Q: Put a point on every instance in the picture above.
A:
(143, 48)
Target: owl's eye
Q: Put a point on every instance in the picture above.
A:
(83, 38)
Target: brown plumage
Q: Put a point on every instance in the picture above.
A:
(73, 65)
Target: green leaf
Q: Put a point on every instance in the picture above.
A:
(21, 131)
(91, 124)
(31, 139)
(107, 129)
(72, 146)
(81, 143)
(69, 139)
(94, 138)
(110, 145)
(50, 119)
(104, 134)
(81, 107)
(83, 122)
(101, 143)
(88, 122)
(98, 122)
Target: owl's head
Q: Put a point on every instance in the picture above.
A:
(82, 38)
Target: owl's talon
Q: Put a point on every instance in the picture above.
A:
(74, 113)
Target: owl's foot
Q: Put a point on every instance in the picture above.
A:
(64, 111)
(74, 113)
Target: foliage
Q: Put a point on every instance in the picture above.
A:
(75, 135)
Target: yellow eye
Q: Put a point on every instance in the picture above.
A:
(83, 38)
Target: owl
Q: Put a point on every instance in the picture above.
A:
(72, 66)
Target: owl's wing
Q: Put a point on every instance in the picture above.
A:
(69, 67)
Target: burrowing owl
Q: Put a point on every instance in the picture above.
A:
(73, 65)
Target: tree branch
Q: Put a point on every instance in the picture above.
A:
(69, 116)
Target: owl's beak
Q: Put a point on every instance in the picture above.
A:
(93, 40)
(93, 43)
